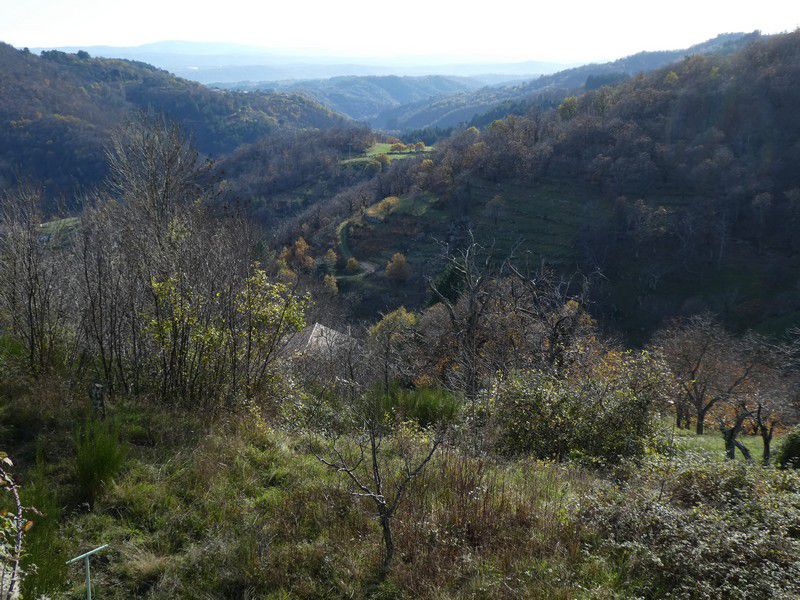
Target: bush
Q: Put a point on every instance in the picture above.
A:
(694, 529)
(602, 416)
(353, 266)
(397, 269)
(99, 456)
(789, 452)
(426, 406)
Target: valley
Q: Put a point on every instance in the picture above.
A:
(278, 325)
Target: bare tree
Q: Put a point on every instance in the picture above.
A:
(472, 272)
(34, 290)
(373, 473)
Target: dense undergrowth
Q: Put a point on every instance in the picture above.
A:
(241, 508)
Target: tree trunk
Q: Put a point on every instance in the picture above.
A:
(701, 420)
(731, 443)
(679, 417)
(388, 546)
(766, 438)
(730, 448)
(744, 450)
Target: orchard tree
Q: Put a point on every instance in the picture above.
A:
(710, 365)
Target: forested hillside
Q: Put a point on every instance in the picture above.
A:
(57, 111)
(456, 109)
(679, 186)
(552, 356)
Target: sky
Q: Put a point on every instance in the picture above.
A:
(462, 30)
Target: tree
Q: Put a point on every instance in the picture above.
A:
(568, 109)
(330, 284)
(711, 365)
(671, 78)
(35, 283)
(389, 336)
(380, 474)
(732, 428)
(499, 318)
(397, 269)
(330, 260)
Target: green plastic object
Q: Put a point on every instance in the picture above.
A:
(85, 558)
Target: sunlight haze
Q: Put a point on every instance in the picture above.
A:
(467, 30)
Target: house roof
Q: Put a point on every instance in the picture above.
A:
(317, 338)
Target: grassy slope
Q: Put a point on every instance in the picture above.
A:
(248, 512)
(537, 223)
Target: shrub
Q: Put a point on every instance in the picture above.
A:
(352, 265)
(694, 529)
(397, 269)
(605, 415)
(789, 451)
(99, 456)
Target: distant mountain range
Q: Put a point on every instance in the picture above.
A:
(400, 104)
(230, 63)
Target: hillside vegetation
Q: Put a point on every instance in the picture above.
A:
(493, 444)
(456, 109)
(58, 109)
(690, 172)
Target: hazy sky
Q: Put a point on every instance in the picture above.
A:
(567, 31)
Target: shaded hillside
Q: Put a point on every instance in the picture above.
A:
(502, 100)
(363, 98)
(282, 174)
(56, 112)
(691, 173)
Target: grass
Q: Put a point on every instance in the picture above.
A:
(60, 225)
(242, 510)
(712, 443)
(245, 511)
(99, 456)
(385, 149)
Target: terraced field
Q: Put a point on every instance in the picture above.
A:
(542, 221)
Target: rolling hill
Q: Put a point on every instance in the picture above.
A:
(57, 110)
(462, 107)
(680, 186)
(364, 98)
